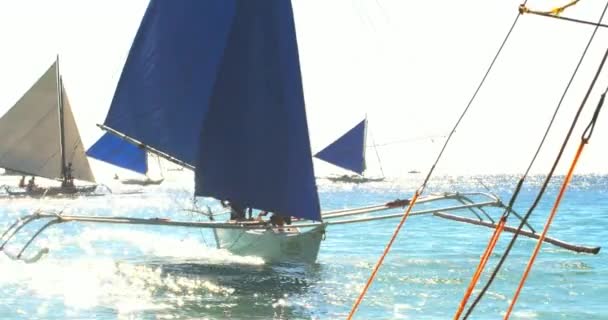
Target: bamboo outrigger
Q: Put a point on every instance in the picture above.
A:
(458, 202)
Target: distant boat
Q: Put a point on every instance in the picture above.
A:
(413, 171)
(353, 178)
(39, 137)
(143, 182)
(348, 152)
(121, 153)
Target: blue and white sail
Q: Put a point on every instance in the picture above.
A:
(217, 84)
(348, 151)
(119, 152)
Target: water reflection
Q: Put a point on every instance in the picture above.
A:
(241, 291)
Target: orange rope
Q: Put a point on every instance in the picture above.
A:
(386, 250)
(482, 264)
(546, 228)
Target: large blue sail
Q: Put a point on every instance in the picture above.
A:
(255, 148)
(117, 151)
(164, 90)
(217, 84)
(348, 151)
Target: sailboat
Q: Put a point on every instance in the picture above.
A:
(348, 152)
(117, 151)
(203, 98)
(215, 87)
(40, 138)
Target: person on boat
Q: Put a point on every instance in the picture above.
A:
(68, 180)
(287, 220)
(261, 214)
(237, 212)
(31, 185)
(22, 182)
(276, 219)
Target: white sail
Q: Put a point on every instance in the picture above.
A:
(74, 150)
(30, 133)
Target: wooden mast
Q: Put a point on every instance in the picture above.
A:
(61, 121)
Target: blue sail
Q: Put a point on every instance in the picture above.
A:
(217, 85)
(348, 151)
(165, 86)
(117, 151)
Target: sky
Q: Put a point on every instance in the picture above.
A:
(409, 66)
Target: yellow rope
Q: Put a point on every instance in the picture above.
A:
(554, 12)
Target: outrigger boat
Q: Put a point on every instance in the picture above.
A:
(62, 191)
(354, 178)
(116, 151)
(195, 91)
(40, 138)
(348, 152)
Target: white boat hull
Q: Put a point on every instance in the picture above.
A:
(272, 245)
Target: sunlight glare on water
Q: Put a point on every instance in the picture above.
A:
(137, 272)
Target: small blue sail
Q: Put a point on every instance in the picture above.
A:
(217, 84)
(117, 151)
(348, 151)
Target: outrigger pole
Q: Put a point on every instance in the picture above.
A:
(330, 218)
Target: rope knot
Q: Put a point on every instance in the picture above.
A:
(523, 9)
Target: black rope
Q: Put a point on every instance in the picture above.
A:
(547, 179)
(509, 207)
(544, 14)
(589, 130)
(447, 141)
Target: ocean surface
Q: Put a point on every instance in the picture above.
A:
(137, 272)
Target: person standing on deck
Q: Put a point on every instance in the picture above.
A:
(68, 180)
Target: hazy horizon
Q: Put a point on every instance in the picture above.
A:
(410, 67)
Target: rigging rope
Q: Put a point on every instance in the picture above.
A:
(550, 174)
(482, 264)
(584, 140)
(409, 140)
(555, 11)
(555, 14)
(428, 176)
(571, 19)
(384, 254)
(377, 154)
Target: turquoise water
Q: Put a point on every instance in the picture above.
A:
(132, 272)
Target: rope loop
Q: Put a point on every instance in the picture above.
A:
(589, 130)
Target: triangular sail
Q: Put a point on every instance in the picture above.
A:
(117, 151)
(29, 133)
(217, 85)
(74, 149)
(163, 92)
(348, 151)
